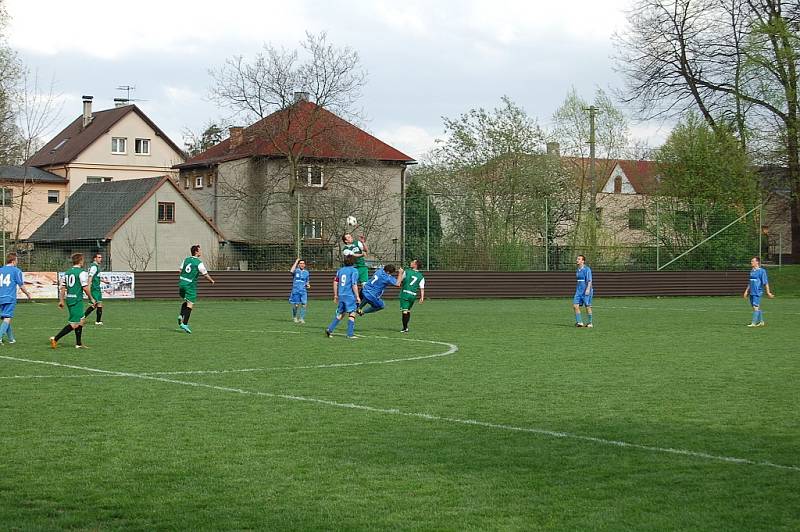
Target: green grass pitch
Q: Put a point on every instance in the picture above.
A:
(669, 414)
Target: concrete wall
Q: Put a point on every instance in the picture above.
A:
(144, 244)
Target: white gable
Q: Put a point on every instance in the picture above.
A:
(627, 188)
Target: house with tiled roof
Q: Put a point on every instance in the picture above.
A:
(138, 224)
(301, 169)
(109, 145)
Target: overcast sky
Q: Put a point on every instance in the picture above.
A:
(424, 60)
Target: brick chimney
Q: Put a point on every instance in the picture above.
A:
(301, 96)
(236, 134)
(87, 110)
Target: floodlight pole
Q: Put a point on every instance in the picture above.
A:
(428, 233)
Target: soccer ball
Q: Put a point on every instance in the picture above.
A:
(351, 221)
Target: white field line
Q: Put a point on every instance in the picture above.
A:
(428, 417)
(745, 309)
(56, 376)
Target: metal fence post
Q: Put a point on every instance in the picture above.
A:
(546, 237)
(658, 238)
(428, 232)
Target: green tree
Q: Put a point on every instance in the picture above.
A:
(10, 70)
(707, 182)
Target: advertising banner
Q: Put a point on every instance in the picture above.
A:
(44, 285)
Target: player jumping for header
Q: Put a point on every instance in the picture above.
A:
(191, 269)
(755, 289)
(583, 292)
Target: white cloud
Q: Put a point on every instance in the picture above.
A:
(411, 140)
(110, 30)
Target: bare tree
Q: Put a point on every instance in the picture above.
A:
(734, 61)
(300, 99)
(9, 76)
(137, 251)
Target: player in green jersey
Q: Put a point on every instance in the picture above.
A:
(75, 284)
(413, 286)
(191, 269)
(97, 293)
(358, 249)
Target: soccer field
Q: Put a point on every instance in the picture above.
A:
(669, 414)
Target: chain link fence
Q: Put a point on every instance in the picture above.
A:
(154, 231)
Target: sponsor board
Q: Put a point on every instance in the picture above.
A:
(44, 285)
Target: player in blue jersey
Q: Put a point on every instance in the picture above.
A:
(345, 294)
(583, 292)
(10, 279)
(755, 289)
(300, 285)
(372, 292)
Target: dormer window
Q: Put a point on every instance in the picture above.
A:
(119, 145)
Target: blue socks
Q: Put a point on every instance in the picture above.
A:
(5, 327)
(589, 318)
(333, 324)
(351, 327)
(294, 311)
(369, 308)
(10, 334)
(302, 312)
(756, 316)
(577, 317)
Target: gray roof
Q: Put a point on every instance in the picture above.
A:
(95, 209)
(31, 173)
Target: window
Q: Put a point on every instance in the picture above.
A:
(142, 146)
(166, 212)
(186, 182)
(97, 179)
(198, 182)
(312, 229)
(682, 220)
(6, 197)
(53, 196)
(119, 145)
(60, 144)
(311, 175)
(636, 218)
(617, 185)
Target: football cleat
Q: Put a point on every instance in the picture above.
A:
(81, 346)
(301, 320)
(180, 320)
(403, 330)
(761, 324)
(12, 341)
(295, 320)
(589, 325)
(580, 324)
(360, 311)
(352, 337)
(328, 333)
(53, 343)
(752, 325)
(186, 328)
(98, 323)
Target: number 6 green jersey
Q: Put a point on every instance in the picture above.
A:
(191, 269)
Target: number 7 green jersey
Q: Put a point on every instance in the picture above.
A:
(413, 281)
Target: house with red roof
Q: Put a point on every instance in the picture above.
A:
(301, 169)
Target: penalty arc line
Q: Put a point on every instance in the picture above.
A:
(428, 417)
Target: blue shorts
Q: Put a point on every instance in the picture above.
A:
(298, 298)
(376, 302)
(582, 299)
(346, 306)
(755, 300)
(7, 309)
